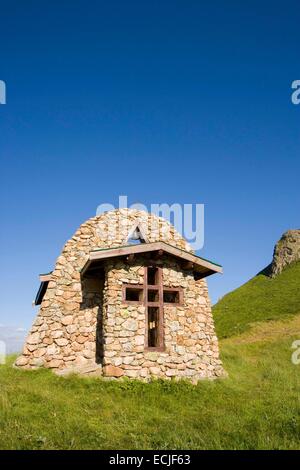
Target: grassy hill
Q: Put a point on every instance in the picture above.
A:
(260, 299)
(256, 407)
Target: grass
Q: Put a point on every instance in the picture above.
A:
(257, 407)
(260, 299)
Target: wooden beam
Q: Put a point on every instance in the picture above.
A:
(45, 277)
(130, 258)
(158, 254)
(85, 267)
(189, 265)
(200, 264)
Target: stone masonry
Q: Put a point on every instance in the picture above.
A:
(85, 326)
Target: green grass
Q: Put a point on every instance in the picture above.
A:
(260, 299)
(257, 407)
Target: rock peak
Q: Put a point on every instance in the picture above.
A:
(286, 251)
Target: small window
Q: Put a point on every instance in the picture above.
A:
(133, 294)
(135, 236)
(153, 327)
(152, 295)
(152, 276)
(134, 241)
(171, 297)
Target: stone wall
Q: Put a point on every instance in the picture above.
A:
(74, 312)
(191, 346)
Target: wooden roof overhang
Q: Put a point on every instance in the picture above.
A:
(94, 266)
(188, 261)
(44, 278)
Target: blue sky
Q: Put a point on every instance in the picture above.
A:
(163, 101)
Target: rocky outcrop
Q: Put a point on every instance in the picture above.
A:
(286, 251)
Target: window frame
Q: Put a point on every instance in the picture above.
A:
(178, 290)
(138, 287)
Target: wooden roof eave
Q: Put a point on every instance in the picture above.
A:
(201, 266)
(44, 278)
(41, 292)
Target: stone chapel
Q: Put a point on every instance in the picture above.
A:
(127, 298)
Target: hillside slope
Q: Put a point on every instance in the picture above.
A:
(260, 299)
(256, 407)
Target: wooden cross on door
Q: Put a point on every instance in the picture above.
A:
(154, 295)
